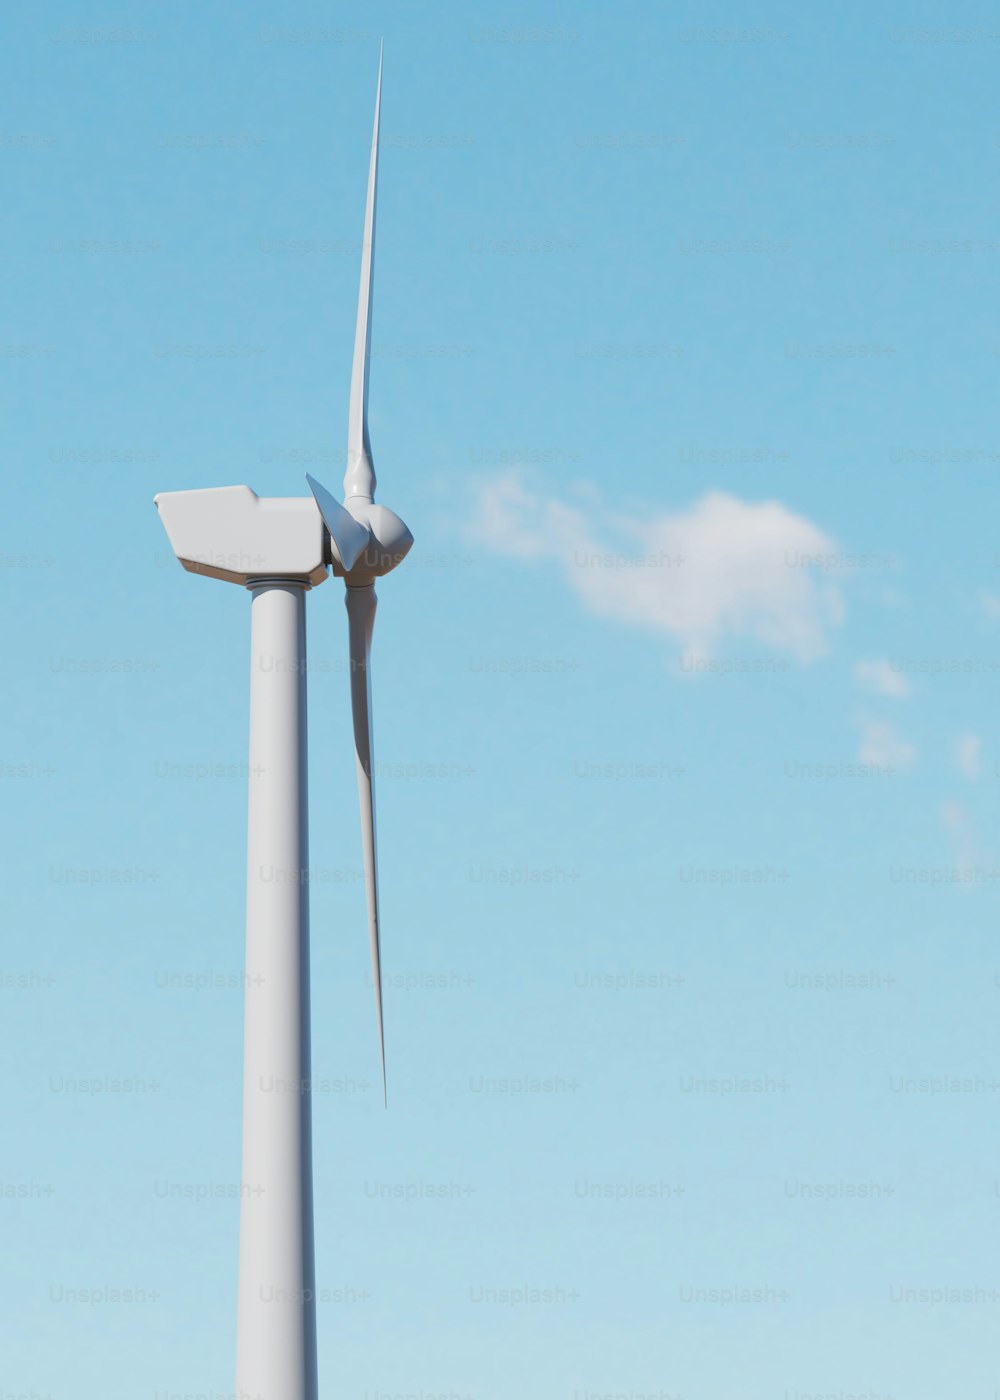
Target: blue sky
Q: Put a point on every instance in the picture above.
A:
(685, 370)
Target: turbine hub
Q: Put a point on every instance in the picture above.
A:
(389, 542)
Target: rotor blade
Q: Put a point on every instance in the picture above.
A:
(359, 479)
(361, 604)
(350, 539)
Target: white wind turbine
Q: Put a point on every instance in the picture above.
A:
(279, 548)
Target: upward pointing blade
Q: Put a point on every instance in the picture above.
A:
(359, 479)
(361, 604)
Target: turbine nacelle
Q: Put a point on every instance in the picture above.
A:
(231, 533)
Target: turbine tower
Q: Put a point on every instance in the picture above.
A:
(280, 548)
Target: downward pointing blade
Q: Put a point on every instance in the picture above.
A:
(359, 479)
(350, 539)
(361, 604)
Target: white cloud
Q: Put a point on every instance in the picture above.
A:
(722, 568)
(883, 747)
(968, 857)
(954, 816)
(969, 756)
(882, 678)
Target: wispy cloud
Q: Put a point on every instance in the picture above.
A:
(882, 747)
(723, 568)
(882, 678)
(968, 753)
(968, 855)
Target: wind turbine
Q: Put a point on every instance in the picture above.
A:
(279, 548)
